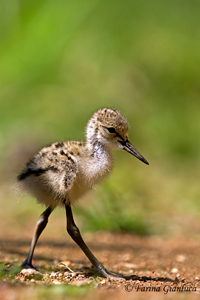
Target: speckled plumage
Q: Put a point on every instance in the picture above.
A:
(63, 172)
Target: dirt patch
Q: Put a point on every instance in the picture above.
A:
(163, 265)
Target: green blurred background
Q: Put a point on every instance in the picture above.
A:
(62, 60)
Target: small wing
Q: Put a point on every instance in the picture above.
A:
(50, 173)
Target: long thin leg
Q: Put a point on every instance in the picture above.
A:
(40, 226)
(76, 236)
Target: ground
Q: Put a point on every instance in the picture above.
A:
(172, 263)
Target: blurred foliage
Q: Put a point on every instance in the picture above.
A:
(62, 60)
(8, 271)
(112, 214)
(62, 291)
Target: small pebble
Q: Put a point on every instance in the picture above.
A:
(180, 258)
(56, 281)
(53, 275)
(103, 281)
(28, 272)
(174, 270)
(130, 265)
(126, 257)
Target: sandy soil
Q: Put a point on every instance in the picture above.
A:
(170, 266)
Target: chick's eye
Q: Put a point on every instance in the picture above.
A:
(111, 129)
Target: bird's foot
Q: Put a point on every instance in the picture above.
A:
(28, 265)
(108, 274)
(113, 275)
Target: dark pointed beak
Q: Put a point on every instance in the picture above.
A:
(132, 150)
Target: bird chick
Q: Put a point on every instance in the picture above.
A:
(61, 173)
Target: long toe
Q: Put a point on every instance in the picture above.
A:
(108, 274)
(121, 276)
